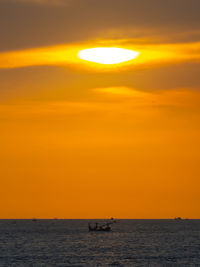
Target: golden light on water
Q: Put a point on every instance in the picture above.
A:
(107, 55)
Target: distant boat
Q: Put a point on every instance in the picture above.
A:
(101, 227)
(178, 219)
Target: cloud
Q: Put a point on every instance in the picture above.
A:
(41, 2)
(183, 97)
(108, 101)
(80, 20)
(117, 90)
(151, 55)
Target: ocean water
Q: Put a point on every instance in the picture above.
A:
(68, 243)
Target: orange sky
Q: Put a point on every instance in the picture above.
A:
(81, 140)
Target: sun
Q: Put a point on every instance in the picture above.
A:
(107, 55)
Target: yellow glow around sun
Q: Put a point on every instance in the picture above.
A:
(107, 55)
(102, 59)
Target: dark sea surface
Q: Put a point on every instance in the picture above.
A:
(68, 243)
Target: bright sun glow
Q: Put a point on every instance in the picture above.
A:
(107, 55)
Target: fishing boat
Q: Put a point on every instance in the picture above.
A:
(101, 227)
(178, 219)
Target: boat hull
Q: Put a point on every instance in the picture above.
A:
(107, 229)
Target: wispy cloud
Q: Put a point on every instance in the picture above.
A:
(41, 2)
(116, 90)
(136, 100)
(184, 97)
(67, 55)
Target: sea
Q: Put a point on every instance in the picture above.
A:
(68, 243)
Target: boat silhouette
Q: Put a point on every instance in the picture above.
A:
(101, 227)
(178, 219)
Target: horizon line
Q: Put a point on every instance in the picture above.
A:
(56, 218)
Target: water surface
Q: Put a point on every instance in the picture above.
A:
(68, 243)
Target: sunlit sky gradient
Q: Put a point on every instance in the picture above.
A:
(84, 140)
